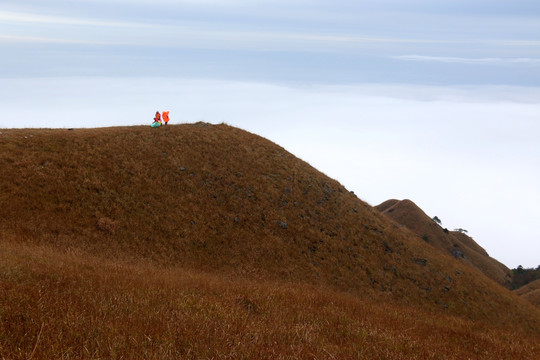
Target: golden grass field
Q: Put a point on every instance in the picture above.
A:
(207, 242)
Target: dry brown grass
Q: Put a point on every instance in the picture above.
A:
(70, 304)
(530, 292)
(196, 241)
(408, 214)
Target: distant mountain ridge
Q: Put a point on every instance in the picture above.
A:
(454, 243)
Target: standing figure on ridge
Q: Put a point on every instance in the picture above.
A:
(165, 117)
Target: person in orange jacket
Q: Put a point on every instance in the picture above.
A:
(165, 117)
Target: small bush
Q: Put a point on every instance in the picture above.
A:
(106, 225)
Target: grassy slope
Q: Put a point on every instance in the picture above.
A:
(209, 213)
(72, 305)
(407, 213)
(530, 292)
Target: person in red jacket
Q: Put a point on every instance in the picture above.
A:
(157, 117)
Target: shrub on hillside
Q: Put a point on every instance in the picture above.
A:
(106, 225)
(523, 276)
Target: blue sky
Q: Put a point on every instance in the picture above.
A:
(436, 101)
(443, 42)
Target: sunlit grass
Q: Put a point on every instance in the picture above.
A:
(72, 305)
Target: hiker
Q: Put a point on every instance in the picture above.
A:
(157, 118)
(165, 117)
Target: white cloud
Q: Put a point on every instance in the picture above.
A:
(205, 3)
(474, 61)
(183, 34)
(48, 40)
(22, 17)
(204, 29)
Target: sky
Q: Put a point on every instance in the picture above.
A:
(433, 101)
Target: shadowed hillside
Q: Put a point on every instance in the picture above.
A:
(454, 243)
(212, 205)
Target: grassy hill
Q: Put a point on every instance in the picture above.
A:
(203, 241)
(454, 243)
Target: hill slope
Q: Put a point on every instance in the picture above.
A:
(454, 243)
(218, 199)
(69, 304)
(202, 200)
(530, 292)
